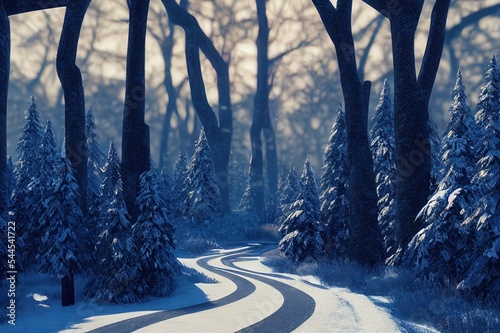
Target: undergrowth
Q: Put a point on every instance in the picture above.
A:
(417, 306)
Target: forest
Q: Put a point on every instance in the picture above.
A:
(128, 156)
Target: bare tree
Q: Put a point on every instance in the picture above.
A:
(365, 246)
(218, 131)
(411, 105)
(135, 134)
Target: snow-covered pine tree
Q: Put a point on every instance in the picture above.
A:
(435, 144)
(482, 277)
(116, 278)
(204, 198)
(383, 147)
(11, 181)
(301, 227)
(153, 235)
(456, 155)
(27, 167)
(287, 194)
(180, 187)
(333, 189)
(95, 161)
(61, 248)
(246, 202)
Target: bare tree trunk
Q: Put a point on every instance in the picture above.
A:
(219, 132)
(135, 138)
(13, 7)
(261, 122)
(411, 114)
(167, 50)
(74, 99)
(365, 246)
(4, 87)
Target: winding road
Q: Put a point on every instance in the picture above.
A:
(254, 299)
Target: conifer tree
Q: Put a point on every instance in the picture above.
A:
(435, 252)
(435, 144)
(153, 236)
(11, 181)
(246, 202)
(288, 192)
(180, 187)
(383, 147)
(204, 199)
(482, 277)
(167, 182)
(301, 227)
(334, 185)
(94, 162)
(61, 249)
(117, 277)
(28, 165)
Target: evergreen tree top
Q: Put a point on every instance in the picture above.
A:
(111, 175)
(310, 188)
(489, 97)
(382, 132)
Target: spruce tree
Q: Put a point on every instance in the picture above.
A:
(246, 202)
(167, 182)
(302, 240)
(482, 277)
(61, 248)
(204, 198)
(94, 162)
(383, 147)
(434, 144)
(153, 235)
(436, 252)
(288, 192)
(180, 187)
(28, 165)
(117, 277)
(333, 189)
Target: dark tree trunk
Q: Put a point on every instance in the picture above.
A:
(135, 134)
(219, 132)
(167, 47)
(411, 114)
(13, 7)
(68, 290)
(4, 86)
(261, 123)
(74, 99)
(366, 246)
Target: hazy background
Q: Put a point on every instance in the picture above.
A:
(306, 83)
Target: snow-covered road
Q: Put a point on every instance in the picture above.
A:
(251, 298)
(248, 297)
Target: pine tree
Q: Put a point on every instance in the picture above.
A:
(180, 187)
(301, 227)
(153, 236)
(435, 144)
(482, 277)
(94, 162)
(167, 182)
(246, 202)
(288, 192)
(11, 181)
(204, 199)
(334, 186)
(61, 248)
(28, 166)
(117, 277)
(383, 147)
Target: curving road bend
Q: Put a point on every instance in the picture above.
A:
(254, 299)
(275, 306)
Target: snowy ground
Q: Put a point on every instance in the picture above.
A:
(336, 310)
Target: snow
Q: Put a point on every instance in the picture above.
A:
(337, 309)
